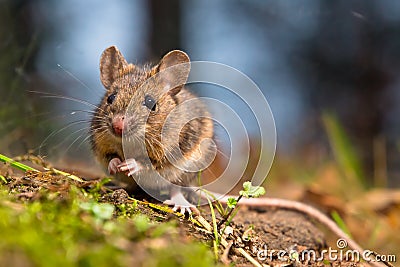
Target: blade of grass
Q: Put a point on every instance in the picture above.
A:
(66, 174)
(225, 243)
(25, 168)
(229, 220)
(218, 204)
(249, 257)
(344, 152)
(16, 164)
(339, 221)
(2, 178)
(215, 229)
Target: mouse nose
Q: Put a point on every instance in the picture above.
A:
(118, 124)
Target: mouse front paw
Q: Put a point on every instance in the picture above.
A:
(113, 166)
(130, 166)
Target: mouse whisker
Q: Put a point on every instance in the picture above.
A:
(51, 95)
(87, 111)
(54, 133)
(77, 138)
(100, 122)
(77, 79)
(99, 132)
(69, 135)
(66, 139)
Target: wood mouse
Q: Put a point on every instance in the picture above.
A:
(152, 105)
(181, 138)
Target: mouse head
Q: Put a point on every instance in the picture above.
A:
(150, 93)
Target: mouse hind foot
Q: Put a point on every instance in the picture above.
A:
(180, 203)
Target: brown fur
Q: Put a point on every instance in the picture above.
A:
(125, 80)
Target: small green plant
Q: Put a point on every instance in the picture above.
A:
(127, 210)
(142, 223)
(98, 187)
(100, 211)
(249, 191)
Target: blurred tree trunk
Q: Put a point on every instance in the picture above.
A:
(368, 118)
(165, 33)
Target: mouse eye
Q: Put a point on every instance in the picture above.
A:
(150, 103)
(111, 98)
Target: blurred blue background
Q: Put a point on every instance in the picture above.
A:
(308, 57)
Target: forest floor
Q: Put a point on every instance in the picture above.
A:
(50, 218)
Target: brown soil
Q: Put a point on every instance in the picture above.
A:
(261, 233)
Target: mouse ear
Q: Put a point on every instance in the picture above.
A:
(177, 75)
(112, 63)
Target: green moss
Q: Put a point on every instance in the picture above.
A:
(75, 230)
